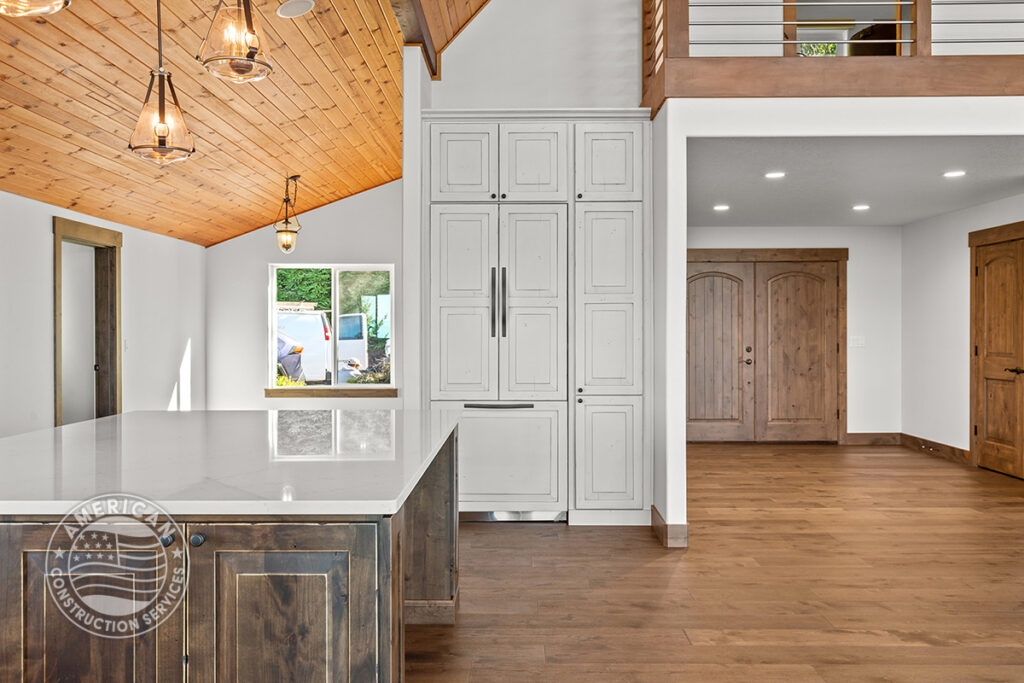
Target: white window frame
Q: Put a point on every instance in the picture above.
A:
(335, 270)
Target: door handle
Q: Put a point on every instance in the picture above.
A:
(498, 406)
(494, 302)
(504, 301)
(1016, 371)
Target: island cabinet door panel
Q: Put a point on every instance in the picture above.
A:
(285, 602)
(39, 643)
(533, 345)
(512, 456)
(609, 452)
(609, 298)
(609, 162)
(534, 162)
(464, 301)
(463, 162)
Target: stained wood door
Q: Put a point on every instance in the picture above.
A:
(998, 301)
(720, 352)
(797, 352)
(609, 298)
(609, 162)
(533, 339)
(463, 162)
(609, 436)
(464, 301)
(534, 162)
(285, 602)
(38, 643)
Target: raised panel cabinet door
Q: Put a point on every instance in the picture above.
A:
(534, 162)
(1000, 391)
(609, 298)
(533, 281)
(464, 301)
(797, 351)
(609, 162)
(719, 352)
(463, 162)
(39, 643)
(285, 602)
(513, 457)
(609, 453)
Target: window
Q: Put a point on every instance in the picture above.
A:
(331, 326)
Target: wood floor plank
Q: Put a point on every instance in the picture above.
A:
(806, 563)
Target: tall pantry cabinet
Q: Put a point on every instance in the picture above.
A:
(539, 316)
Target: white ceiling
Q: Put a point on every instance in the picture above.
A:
(900, 178)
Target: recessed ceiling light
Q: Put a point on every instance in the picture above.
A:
(721, 207)
(954, 174)
(775, 175)
(861, 207)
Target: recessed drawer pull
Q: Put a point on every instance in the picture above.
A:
(498, 406)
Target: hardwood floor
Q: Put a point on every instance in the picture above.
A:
(807, 563)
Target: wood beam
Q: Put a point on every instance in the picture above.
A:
(433, 25)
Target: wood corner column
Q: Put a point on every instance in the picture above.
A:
(789, 28)
(921, 29)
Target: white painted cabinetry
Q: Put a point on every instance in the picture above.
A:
(537, 295)
(609, 161)
(609, 298)
(609, 446)
(512, 457)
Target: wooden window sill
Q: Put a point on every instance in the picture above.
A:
(330, 392)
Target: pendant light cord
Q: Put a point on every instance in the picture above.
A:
(159, 38)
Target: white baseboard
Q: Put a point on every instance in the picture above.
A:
(609, 517)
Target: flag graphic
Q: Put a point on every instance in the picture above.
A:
(117, 566)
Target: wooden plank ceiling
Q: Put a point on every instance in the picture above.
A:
(434, 24)
(72, 85)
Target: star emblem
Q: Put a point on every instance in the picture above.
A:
(177, 553)
(59, 553)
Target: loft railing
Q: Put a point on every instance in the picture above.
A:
(753, 35)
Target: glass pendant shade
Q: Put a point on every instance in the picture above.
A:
(161, 134)
(286, 240)
(31, 8)
(233, 49)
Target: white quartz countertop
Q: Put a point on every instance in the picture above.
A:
(280, 462)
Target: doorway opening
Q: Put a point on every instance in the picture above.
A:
(86, 321)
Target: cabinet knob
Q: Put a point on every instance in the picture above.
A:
(579, 400)
(494, 196)
(579, 196)
(503, 195)
(749, 361)
(197, 539)
(168, 540)
(580, 390)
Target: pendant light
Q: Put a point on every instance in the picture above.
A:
(161, 134)
(287, 227)
(232, 48)
(31, 8)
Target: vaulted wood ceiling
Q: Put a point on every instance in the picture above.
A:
(434, 24)
(72, 85)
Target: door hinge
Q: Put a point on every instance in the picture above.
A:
(184, 660)
(975, 430)
(975, 349)
(975, 271)
(837, 413)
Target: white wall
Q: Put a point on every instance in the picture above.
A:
(365, 228)
(544, 54)
(873, 308)
(162, 304)
(936, 319)
(78, 333)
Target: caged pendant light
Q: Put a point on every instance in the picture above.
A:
(287, 227)
(232, 48)
(31, 8)
(161, 135)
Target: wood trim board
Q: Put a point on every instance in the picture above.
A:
(108, 312)
(874, 439)
(957, 455)
(765, 255)
(669, 535)
(329, 392)
(1000, 233)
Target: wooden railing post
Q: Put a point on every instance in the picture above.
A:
(677, 28)
(921, 29)
(789, 29)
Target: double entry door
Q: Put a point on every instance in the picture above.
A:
(499, 301)
(763, 351)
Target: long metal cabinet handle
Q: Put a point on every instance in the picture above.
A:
(494, 302)
(504, 301)
(498, 406)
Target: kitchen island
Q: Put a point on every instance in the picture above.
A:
(311, 538)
